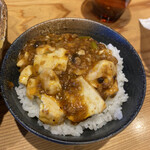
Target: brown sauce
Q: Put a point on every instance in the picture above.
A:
(83, 53)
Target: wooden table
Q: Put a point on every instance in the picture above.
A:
(22, 14)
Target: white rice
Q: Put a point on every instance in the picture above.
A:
(113, 110)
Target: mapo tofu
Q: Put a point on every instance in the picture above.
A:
(71, 75)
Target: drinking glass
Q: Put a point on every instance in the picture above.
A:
(110, 10)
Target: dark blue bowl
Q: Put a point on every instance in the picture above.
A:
(133, 70)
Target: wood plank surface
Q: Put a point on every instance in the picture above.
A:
(22, 14)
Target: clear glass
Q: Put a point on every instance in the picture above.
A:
(110, 10)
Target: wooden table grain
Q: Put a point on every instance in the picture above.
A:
(22, 14)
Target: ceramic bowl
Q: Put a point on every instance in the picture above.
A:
(3, 26)
(133, 70)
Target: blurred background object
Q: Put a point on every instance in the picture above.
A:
(144, 48)
(3, 26)
(109, 10)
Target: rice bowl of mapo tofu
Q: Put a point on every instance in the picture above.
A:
(72, 83)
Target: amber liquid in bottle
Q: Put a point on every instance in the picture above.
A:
(110, 10)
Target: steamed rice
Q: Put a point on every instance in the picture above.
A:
(113, 110)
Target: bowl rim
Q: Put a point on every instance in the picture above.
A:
(64, 141)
